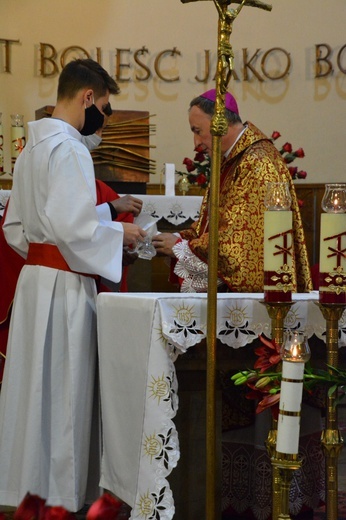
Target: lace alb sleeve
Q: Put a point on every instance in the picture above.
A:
(191, 269)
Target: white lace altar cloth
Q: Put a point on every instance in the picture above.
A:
(176, 210)
(4, 196)
(140, 336)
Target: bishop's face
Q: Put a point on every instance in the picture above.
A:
(200, 126)
(200, 123)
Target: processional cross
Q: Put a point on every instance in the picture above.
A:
(218, 128)
(225, 63)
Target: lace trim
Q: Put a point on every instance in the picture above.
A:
(191, 269)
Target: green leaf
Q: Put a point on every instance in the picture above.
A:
(332, 390)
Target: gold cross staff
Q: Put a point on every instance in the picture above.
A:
(219, 127)
(250, 3)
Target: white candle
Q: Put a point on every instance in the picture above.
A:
(278, 251)
(1, 147)
(170, 179)
(332, 285)
(17, 142)
(290, 408)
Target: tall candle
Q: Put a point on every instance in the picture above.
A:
(332, 279)
(169, 179)
(295, 353)
(17, 137)
(1, 146)
(290, 408)
(278, 250)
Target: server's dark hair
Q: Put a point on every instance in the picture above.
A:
(85, 73)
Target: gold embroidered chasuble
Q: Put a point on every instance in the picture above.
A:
(253, 162)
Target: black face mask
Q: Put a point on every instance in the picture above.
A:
(94, 120)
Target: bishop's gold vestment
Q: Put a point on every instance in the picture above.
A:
(253, 162)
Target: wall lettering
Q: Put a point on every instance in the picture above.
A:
(141, 65)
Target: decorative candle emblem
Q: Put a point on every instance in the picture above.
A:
(295, 352)
(332, 280)
(1, 146)
(17, 137)
(278, 246)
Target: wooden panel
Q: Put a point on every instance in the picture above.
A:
(5, 184)
(124, 154)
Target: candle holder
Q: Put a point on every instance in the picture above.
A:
(17, 137)
(295, 353)
(285, 468)
(331, 438)
(184, 185)
(278, 284)
(277, 312)
(332, 303)
(332, 278)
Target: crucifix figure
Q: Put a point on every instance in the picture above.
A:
(227, 15)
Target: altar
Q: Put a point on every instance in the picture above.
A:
(175, 209)
(140, 338)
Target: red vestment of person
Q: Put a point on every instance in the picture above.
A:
(253, 162)
(11, 264)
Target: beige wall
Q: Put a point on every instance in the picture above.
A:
(308, 112)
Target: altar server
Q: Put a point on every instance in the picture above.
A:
(11, 263)
(47, 393)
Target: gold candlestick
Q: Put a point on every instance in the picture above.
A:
(331, 439)
(184, 185)
(219, 128)
(295, 352)
(277, 312)
(285, 468)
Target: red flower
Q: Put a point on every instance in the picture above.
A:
(300, 203)
(105, 508)
(56, 513)
(287, 147)
(301, 174)
(30, 508)
(265, 399)
(190, 166)
(198, 169)
(201, 179)
(299, 153)
(293, 171)
(199, 157)
(289, 156)
(269, 355)
(270, 401)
